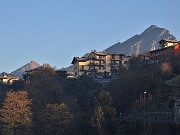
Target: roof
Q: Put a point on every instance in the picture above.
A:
(162, 49)
(101, 53)
(117, 54)
(8, 77)
(146, 54)
(167, 40)
(83, 59)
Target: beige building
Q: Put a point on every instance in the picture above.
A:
(98, 63)
(5, 79)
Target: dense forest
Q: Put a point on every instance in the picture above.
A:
(139, 102)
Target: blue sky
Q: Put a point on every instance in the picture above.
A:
(54, 31)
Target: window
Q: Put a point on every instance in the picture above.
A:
(101, 57)
(82, 68)
(163, 56)
(171, 54)
(159, 57)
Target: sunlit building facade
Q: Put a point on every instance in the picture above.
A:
(5, 79)
(98, 63)
(168, 49)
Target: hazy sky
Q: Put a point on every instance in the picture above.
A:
(54, 31)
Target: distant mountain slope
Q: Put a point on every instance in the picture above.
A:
(146, 41)
(19, 72)
(3, 73)
(68, 69)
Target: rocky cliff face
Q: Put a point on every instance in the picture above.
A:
(146, 41)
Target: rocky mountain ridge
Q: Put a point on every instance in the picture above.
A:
(20, 71)
(146, 41)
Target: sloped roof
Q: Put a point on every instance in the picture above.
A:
(101, 53)
(167, 40)
(83, 59)
(161, 49)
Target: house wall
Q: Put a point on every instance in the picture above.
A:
(83, 67)
(108, 63)
(99, 64)
(177, 111)
(13, 80)
(8, 80)
(177, 50)
(76, 69)
(162, 54)
(5, 81)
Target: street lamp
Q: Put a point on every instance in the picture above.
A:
(144, 107)
(145, 96)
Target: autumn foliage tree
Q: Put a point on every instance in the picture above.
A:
(16, 111)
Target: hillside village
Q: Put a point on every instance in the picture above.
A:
(103, 65)
(105, 94)
(89, 67)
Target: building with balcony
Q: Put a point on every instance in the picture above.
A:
(117, 60)
(168, 49)
(98, 63)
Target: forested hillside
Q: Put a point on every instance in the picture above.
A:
(46, 103)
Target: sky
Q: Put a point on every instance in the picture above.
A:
(54, 31)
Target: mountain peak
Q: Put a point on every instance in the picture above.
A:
(146, 41)
(19, 72)
(153, 27)
(34, 62)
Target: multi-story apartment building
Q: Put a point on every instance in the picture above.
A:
(117, 60)
(98, 63)
(168, 49)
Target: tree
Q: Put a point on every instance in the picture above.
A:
(99, 116)
(57, 119)
(44, 87)
(16, 111)
(105, 114)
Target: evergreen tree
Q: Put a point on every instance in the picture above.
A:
(57, 119)
(105, 114)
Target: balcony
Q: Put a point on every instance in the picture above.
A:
(114, 64)
(92, 70)
(102, 63)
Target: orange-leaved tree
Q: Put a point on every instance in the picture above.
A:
(16, 111)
